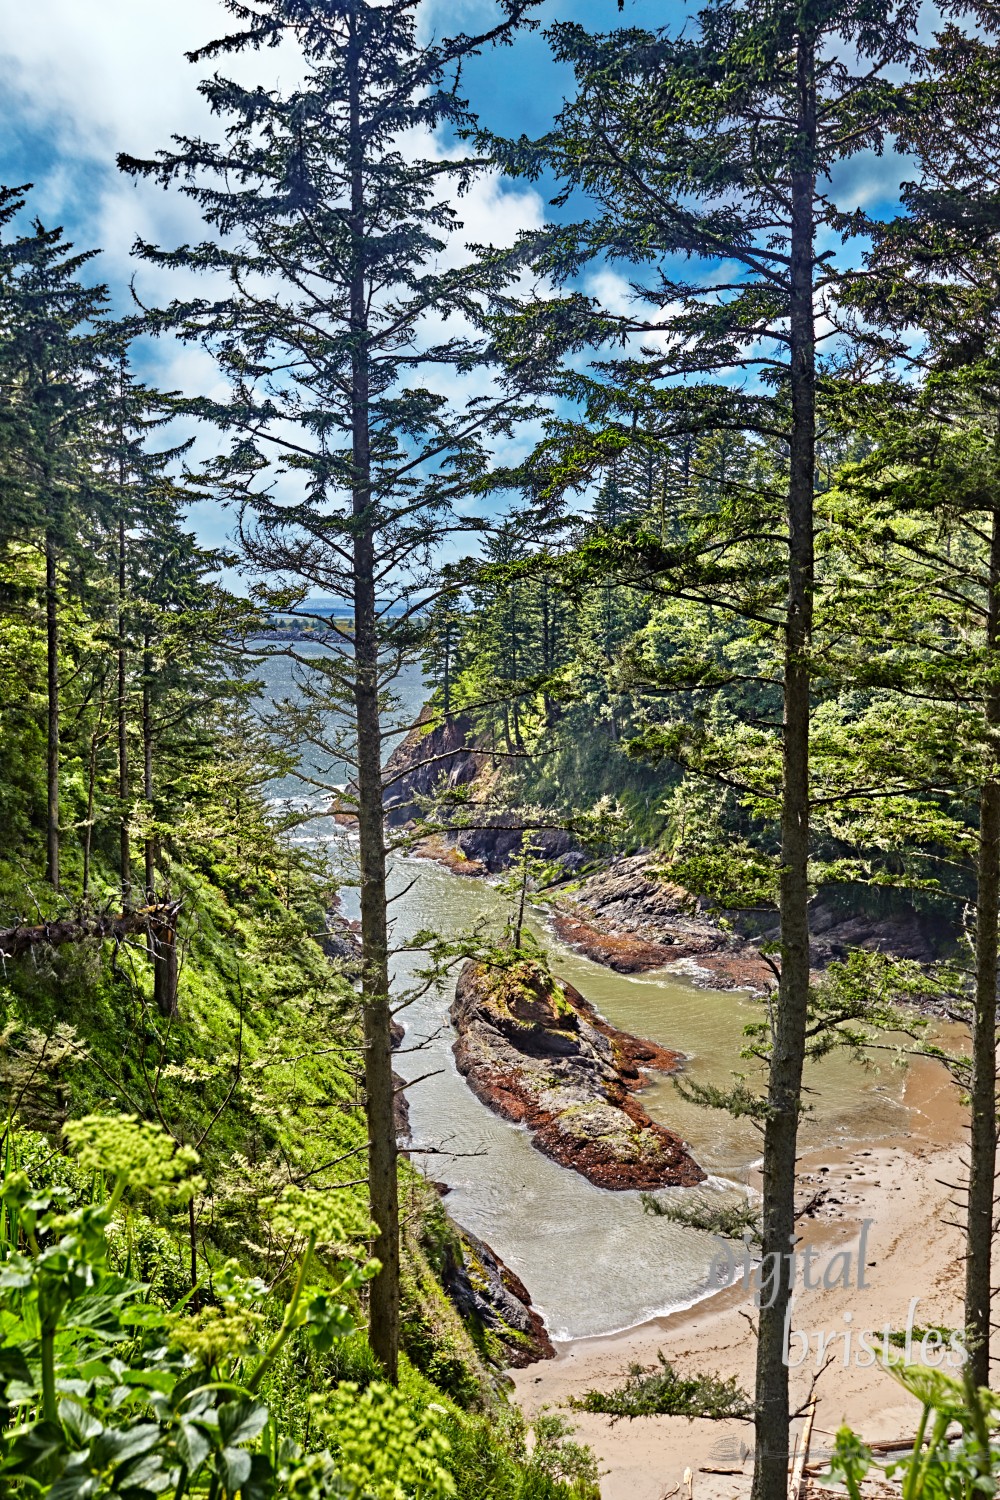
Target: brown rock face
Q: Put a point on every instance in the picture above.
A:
(534, 1050)
(425, 761)
(630, 917)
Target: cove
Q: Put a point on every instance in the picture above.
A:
(593, 1260)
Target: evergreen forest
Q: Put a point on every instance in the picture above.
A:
(657, 545)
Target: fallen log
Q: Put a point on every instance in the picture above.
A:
(157, 922)
(15, 942)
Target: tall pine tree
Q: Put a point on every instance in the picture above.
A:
(717, 145)
(53, 367)
(336, 320)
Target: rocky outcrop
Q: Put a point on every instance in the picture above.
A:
(499, 838)
(534, 1050)
(427, 761)
(906, 933)
(629, 917)
(341, 941)
(487, 1292)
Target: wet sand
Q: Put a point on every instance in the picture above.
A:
(904, 1188)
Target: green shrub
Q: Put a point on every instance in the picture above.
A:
(944, 1469)
(662, 1392)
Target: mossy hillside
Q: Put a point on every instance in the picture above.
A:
(265, 1024)
(260, 1070)
(264, 1056)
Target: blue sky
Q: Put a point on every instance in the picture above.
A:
(81, 80)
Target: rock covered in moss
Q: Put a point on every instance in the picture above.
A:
(486, 1291)
(534, 1050)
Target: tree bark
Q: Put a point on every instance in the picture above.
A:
(163, 947)
(17, 941)
(123, 777)
(447, 667)
(770, 1480)
(52, 680)
(983, 1121)
(379, 1088)
(150, 848)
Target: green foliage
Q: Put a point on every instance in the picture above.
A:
(661, 1391)
(490, 1458)
(734, 1220)
(105, 1388)
(384, 1449)
(135, 1154)
(943, 1469)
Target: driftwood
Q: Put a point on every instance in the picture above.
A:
(157, 922)
(802, 1454)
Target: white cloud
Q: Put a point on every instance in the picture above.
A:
(86, 79)
(108, 78)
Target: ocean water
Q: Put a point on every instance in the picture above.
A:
(592, 1259)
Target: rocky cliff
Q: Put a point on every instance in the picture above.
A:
(487, 1292)
(631, 917)
(534, 1050)
(626, 914)
(427, 761)
(484, 839)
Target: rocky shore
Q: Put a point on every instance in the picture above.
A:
(629, 917)
(487, 1292)
(627, 914)
(632, 918)
(533, 1050)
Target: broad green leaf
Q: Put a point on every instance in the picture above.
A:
(192, 1446)
(239, 1421)
(236, 1468)
(80, 1424)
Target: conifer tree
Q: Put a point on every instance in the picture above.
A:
(930, 287)
(329, 208)
(136, 490)
(53, 360)
(716, 145)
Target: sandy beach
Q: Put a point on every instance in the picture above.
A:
(896, 1199)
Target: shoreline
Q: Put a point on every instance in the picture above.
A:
(901, 1182)
(901, 1186)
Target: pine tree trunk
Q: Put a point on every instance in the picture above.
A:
(88, 831)
(508, 741)
(164, 983)
(447, 669)
(379, 1087)
(163, 946)
(150, 849)
(548, 652)
(52, 677)
(123, 780)
(770, 1480)
(983, 1123)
